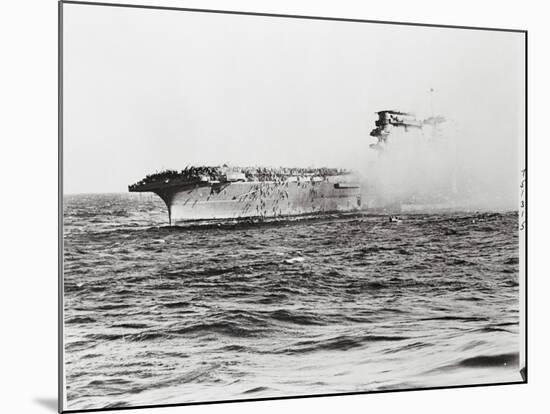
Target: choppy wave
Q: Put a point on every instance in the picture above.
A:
(501, 360)
(215, 311)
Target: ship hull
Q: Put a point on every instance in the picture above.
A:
(261, 199)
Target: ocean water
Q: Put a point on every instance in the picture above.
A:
(335, 304)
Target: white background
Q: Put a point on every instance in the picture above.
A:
(28, 163)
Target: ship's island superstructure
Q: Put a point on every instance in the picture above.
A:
(388, 120)
(229, 192)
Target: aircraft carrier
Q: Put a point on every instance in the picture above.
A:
(202, 193)
(229, 192)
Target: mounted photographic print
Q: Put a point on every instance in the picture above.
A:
(258, 206)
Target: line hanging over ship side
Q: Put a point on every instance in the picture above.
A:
(203, 193)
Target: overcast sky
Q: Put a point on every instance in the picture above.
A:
(150, 89)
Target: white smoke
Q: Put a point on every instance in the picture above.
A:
(438, 167)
